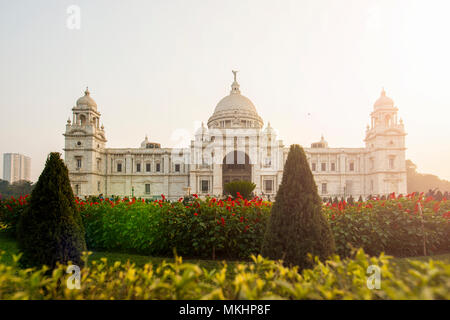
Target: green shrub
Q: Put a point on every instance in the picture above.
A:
(238, 189)
(297, 226)
(261, 279)
(50, 230)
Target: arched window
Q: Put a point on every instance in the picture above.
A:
(82, 119)
(388, 120)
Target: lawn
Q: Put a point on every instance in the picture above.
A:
(9, 246)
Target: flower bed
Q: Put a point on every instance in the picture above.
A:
(395, 226)
(10, 211)
(234, 229)
(201, 228)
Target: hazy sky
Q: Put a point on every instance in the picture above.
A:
(158, 67)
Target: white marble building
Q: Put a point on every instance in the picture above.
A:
(234, 146)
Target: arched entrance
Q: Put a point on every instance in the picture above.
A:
(236, 166)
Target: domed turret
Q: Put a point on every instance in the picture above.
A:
(235, 111)
(384, 101)
(149, 145)
(321, 144)
(86, 101)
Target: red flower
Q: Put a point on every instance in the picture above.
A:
(196, 214)
(195, 196)
(162, 196)
(436, 207)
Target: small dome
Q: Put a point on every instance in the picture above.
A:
(321, 144)
(269, 129)
(384, 101)
(86, 101)
(201, 130)
(146, 144)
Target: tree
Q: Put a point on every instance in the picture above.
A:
(4, 187)
(16, 189)
(351, 200)
(245, 188)
(297, 225)
(50, 230)
(419, 182)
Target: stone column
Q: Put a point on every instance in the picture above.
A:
(217, 181)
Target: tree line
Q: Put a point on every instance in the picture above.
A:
(16, 189)
(422, 182)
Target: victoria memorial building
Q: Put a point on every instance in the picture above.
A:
(234, 145)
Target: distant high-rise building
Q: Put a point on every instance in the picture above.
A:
(16, 167)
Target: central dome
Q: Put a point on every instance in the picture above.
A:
(235, 111)
(235, 102)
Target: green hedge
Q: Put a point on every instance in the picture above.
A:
(261, 279)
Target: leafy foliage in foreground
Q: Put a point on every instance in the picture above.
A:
(297, 226)
(261, 279)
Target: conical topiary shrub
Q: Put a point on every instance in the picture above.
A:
(51, 230)
(297, 225)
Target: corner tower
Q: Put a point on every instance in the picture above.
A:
(385, 145)
(84, 148)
